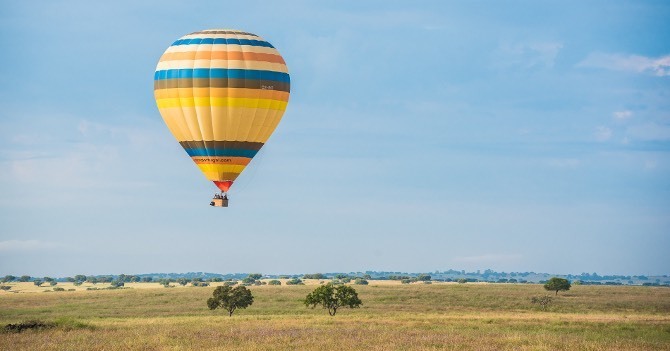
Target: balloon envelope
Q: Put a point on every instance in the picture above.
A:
(221, 93)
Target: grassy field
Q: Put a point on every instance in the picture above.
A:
(441, 316)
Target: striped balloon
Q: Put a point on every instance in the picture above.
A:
(221, 93)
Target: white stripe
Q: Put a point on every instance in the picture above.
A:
(225, 36)
(233, 64)
(222, 47)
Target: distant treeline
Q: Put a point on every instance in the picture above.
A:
(450, 275)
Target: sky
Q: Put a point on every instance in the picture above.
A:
(419, 136)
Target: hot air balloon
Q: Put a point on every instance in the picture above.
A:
(221, 93)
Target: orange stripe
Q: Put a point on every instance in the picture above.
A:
(222, 55)
(221, 93)
(224, 160)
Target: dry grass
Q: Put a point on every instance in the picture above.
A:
(393, 317)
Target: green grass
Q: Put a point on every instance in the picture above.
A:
(392, 317)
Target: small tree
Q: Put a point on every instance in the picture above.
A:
(274, 282)
(333, 297)
(557, 284)
(38, 282)
(8, 278)
(24, 278)
(424, 277)
(255, 276)
(230, 299)
(182, 281)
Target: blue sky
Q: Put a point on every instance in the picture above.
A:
(420, 136)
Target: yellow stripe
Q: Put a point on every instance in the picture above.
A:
(219, 176)
(219, 123)
(221, 102)
(220, 168)
(221, 93)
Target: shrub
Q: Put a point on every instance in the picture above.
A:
(248, 280)
(295, 281)
(34, 324)
(274, 282)
(405, 281)
(360, 281)
(5, 287)
(58, 288)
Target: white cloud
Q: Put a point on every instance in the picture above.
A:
(603, 133)
(629, 63)
(650, 165)
(650, 132)
(622, 115)
(28, 245)
(537, 54)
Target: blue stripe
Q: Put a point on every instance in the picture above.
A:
(221, 73)
(197, 41)
(221, 152)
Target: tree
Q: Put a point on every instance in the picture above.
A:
(424, 277)
(182, 281)
(314, 276)
(294, 281)
(255, 276)
(333, 297)
(248, 280)
(24, 278)
(38, 282)
(8, 278)
(557, 284)
(274, 282)
(230, 299)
